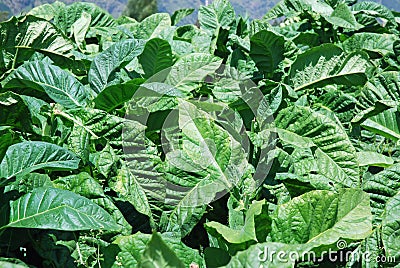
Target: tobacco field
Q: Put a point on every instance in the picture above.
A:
(217, 144)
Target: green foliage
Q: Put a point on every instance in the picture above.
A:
(140, 9)
(140, 143)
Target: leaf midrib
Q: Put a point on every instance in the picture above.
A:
(47, 211)
(326, 78)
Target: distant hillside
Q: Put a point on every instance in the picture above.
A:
(254, 8)
(115, 7)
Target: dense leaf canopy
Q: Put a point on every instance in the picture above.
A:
(130, 143)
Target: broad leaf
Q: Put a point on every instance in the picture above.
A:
(374, 159)
(50, 208)
(152, 26)
(335, 156)
(133, 246)
(221, 162)
(82, 184)
(385, 124)
(322, 218)
(128, 187)
(391, 227)
(220, 14)
(367, 12)
(381, 187)
(379, 91)
(327, 64)
(14, 111)
(313, 222)
(25, 157)
(60, 85)
(380, 43)
(80, 28)
(97, 122)
(110, 60)
(115, 95)
(288, 7)
(158, 254)
(342, 17)
(67, 16)
(189, 71)
(27, 183)
(247, 232)
(47, 11)
(79, 142)
(156, 56)
(267, 49)
(20, 38)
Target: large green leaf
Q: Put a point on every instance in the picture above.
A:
(267, 49)
(47, 11)
(68, 15)
(152, 26)
(201, 167)
(322, 218)
(51, 208)
(220, 14)
(105, 160)
(133, 246)
(366, 158)
(381, 187)
(325, 65)
(380, 43)
(97, 122)
(158, 254)
(14, 111)
(288, 7)
(247, 232)
(19, 39)
(156, 56)
(151, 188)
(128, 187)
(335, 156)
(189, 71)
(342, 17)
(221, 162)
(192, 174)
(380, 92)
(313, 222)
(25, 157)
(78, 142)
(59, 84)
(367, 12)
(386, 124)
(82, 184)
(391, 227)
(110, 60)
(115, 95)
(26, 183)
(80, 29)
